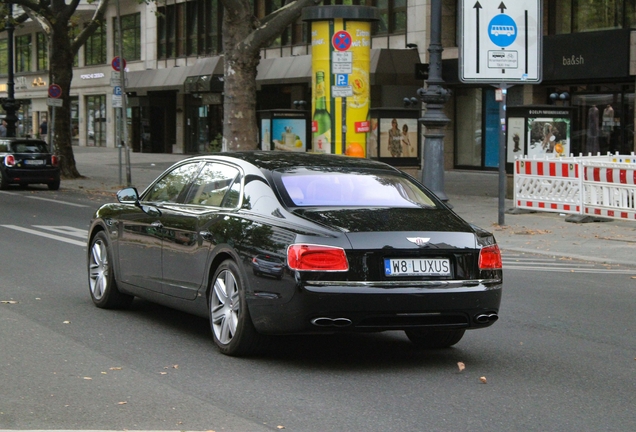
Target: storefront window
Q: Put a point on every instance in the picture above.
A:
(189, 28)
(603, 122)
(131, 36)
(95, 47)
(469, 129)
(23, 49)
(96, 120)
(75, 121)
(572, 16)
(43, 52)
(392, 17)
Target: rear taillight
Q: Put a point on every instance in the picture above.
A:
(316, 258)
(9, 160)
(490, 258)
(55, 160)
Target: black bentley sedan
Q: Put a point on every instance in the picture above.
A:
(27, 161)
(361, 246)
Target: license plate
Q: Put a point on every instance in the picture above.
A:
(417, 267)
(34, 162)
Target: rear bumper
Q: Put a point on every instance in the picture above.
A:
(45, 175)
(327, 308)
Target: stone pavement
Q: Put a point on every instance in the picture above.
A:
(473, 195)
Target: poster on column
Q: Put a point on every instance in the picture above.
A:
(548, 136)
(398, 137)
(357, 106)
(516, 138)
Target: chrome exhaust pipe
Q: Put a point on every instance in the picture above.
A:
(331, 322)
(486, 318)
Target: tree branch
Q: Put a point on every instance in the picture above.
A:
(95, 22)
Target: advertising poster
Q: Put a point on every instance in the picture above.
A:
(516, 138)
(549, 136)
(372, 138)
(340, 86)
(398, 138)
(289, 134)
(266, 135)
(357, 106)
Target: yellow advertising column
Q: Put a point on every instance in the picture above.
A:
(341, 44)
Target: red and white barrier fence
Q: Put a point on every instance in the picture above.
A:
(603, 186)
(548, 185)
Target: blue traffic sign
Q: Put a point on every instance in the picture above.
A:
(117, 91)
(502, 30)
(342, 79)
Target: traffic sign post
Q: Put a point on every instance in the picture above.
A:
(501, 41)
(501, 44)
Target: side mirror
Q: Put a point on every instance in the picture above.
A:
(128, 196)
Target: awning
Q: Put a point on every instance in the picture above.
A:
(172, 78)
(387, 67)
(206, 76)
(394, 66)
(284, 70)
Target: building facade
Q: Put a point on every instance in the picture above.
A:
(174, 69)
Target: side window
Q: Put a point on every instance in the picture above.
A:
(212, 185)
(173, 184)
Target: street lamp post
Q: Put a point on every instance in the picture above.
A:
(9, 103)
(434, 119)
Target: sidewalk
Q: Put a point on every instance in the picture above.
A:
(473, 195)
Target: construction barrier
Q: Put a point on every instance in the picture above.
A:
(600, 186)
(551, 184)
(609, 190)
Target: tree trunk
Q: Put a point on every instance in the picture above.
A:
(61, 70)
(240, 131)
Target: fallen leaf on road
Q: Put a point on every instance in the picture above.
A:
(88, 378)
(163, 373)
(483, 380)
(461, 366)
(122, 403)
(66, 322)
(115, 368)
(8, 301)
(280, 427)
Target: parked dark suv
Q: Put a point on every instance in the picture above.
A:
(27, 161)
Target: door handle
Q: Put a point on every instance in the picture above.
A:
(206, 235)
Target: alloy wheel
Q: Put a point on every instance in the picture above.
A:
(225, 307)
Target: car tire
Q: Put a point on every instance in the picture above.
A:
(230, 320)
(101, 276)
(431, 339)
(4, 184)
(55, 185)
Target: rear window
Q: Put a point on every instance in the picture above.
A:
(308, 189)
(28, 147)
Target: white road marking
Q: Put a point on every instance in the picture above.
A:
(44, 199)
(47, 235)
(68, 230)
(55, 201)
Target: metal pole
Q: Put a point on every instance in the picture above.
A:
(122, 74)
(434, 119)
(9, 103)
(502, 155)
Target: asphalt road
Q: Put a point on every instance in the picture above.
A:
(561, 357)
